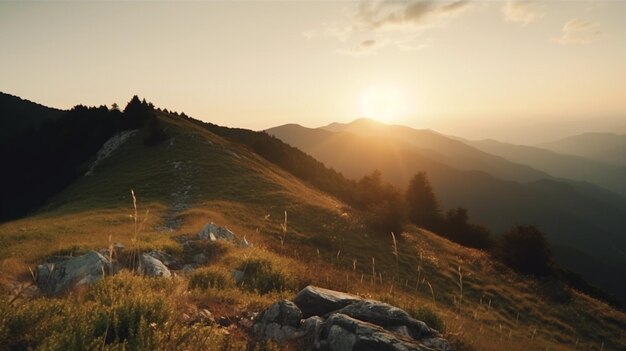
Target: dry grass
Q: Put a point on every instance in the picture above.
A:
(481, 304)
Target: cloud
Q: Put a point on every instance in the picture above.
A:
(523, 12)
(401, 15)
(391, 23)
(577, 31)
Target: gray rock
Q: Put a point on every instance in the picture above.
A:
(283, 312)
(237, 275)
(168, 260)
(314, 301)
(60, 277)
(311, 329)
(200, 259)
(152, 267)
(214, 232)
(388, 317)
(280, 323)
(187, 269)
(344, 333)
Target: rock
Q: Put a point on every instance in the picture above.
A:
(224, 322)
(62, 276)
(188, 269)
(314, 301)
(283, 312)
(280, 322)
(214, 232)
(237, 275)
(153, 267)
(311, 329)
(388, 317)
(168, 260)
(205, 316)
(344, 333)
(200, 259)
(342, 322)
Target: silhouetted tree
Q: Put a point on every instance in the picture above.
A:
(525, 249)
(423, 208)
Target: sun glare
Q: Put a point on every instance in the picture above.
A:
(384, 104)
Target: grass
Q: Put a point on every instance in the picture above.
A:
(479, 304)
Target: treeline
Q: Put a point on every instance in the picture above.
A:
(524, 248)
(41, 162)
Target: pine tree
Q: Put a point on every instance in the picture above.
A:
(423, 208)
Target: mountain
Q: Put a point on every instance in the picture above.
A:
(609, 176)
(17, 115)
(603, 147)
(577, 215)
(446, 150)
(264, 191)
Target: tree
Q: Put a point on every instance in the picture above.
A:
(115, 107)
(525, 249)
(423, 208)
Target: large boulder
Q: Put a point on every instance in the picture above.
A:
(168, 260)
(153, 267)
(280, 322)
(388, 317)
(337, 321)
(56, 278)
(344, 333)
(314, 301)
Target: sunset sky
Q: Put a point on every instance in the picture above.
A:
(516, 71)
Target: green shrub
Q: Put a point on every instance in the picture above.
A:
(427, 316)
(210, 278)
(260, 276)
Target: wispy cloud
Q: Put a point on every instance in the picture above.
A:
(577, 31)
(521, 11)
(377, 24)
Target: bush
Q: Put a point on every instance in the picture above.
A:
(525, 249)
(210, 278)
(429, 317)
(260, 276)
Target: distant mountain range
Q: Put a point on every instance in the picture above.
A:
(603, 147)
(499, 192)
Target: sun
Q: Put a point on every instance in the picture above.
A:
(384, 104)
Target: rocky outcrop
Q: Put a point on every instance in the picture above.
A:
(153, 267)
(337, 321)
(65, 274)
(213, 232)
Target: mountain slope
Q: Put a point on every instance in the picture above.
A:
(571, 215)
(444, 149)
(196, 176)
(609, 176)
(17, 115)
(602, 147)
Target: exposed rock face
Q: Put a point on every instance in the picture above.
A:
(343, 322)
(152, 267)
(60, 277)
(168, 260)
(214, 232)
(314, 301)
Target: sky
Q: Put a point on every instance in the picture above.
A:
(516, 71)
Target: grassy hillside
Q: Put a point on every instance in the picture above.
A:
(576, 215)
(195, 176)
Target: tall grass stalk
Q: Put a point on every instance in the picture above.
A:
(395, 253)
(283, 228)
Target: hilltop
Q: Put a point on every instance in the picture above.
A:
(200, 173)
